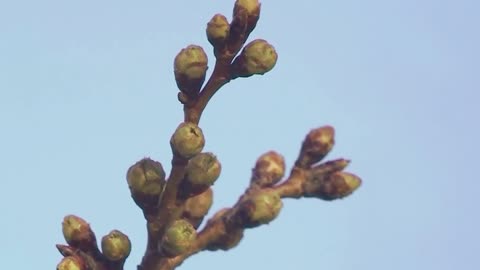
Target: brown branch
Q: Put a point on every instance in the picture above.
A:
(225, 221)
(171, 207)
(219, 77)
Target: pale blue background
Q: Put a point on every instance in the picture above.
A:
(87, 89)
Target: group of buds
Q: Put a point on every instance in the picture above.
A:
(82, 251)
(326, 180)
(174, 217)
(257, 57)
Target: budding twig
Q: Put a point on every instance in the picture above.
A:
(174, 209)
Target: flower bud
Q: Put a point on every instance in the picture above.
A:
(226, 240)
(77, 233)
(187, 141)
(316, 146)
(251, 6)
(116, 246)
(330, 187)
(261, 208)
(217, 30)
(178, 238)
(269, 169)
(258, 57)
(197, 207)
(190, 68)
(247, 12)
(146, 180)
(202, 171)
(71, 263)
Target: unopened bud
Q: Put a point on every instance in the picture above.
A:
(116, 246)
(316, 146)
(146, 180)
(178, 238)
(217, 30)
(202, 171)
(188, 140)
(77, 232)
(227, 240)
(197, 207)
(260, 208)
(251, 6)
(190, 68)
(71, 263)
(330, 187)
(247, 12)
(269, 169)
(258, 57)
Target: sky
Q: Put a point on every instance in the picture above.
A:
(87, 89)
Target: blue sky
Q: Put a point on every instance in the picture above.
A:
(87, 89)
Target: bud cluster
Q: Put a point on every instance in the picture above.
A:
(175, 210)
(227, 39)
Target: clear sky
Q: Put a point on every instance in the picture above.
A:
(87, 89)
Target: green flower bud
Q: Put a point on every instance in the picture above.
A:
(217, 30)
(187, 141)
(316, 146)
(77, 232)
(147, 177)
(260, 208)
(116, 246)
(248, 9)
(258, 57)
(197, 207)
(251, 6)
(190, 68)
(71, 263)
(202, 171)
(269, 169)
(178, 238)
(146, 180)
(333, 186)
